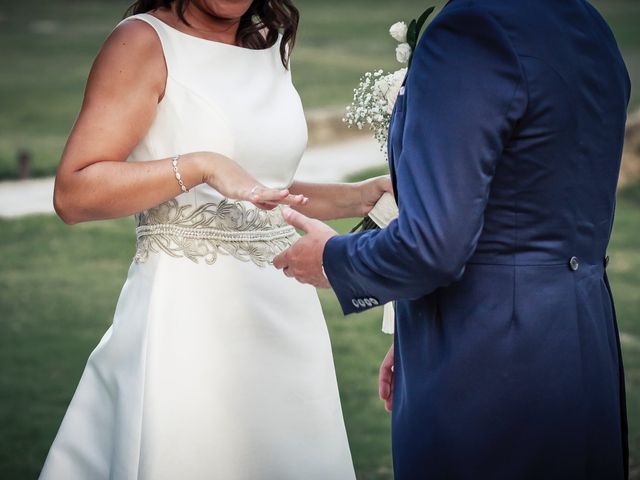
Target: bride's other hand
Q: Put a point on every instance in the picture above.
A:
(371, 190)
(232, 181)
(330, 201)
(385, 380)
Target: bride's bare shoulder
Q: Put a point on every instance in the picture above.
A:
(135, 38)
(132, 54)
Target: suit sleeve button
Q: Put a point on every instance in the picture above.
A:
(574, 263)
(355, 303)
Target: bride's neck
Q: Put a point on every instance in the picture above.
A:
(210, 26)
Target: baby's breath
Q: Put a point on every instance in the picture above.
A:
(373, 102)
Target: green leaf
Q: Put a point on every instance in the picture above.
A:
(412, 34)
(422, 20)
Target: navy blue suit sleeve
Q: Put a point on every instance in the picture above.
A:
(464, 95)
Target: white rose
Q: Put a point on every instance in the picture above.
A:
(399, 32)
(403, 52)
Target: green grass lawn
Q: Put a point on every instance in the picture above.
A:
(58, 290)
(47, 48)
(624, 273)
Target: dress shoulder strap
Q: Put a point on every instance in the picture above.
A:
(161, 30)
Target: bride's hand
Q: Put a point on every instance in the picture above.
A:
(232, 181)
(371, 191)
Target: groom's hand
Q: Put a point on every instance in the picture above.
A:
(385, 380)
(303, 260)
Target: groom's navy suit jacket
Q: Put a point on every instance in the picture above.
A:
(505, 150)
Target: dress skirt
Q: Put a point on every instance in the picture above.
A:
(209, 371)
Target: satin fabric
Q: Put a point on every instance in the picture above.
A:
(211, 371)
(505, 152)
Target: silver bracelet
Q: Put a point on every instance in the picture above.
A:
(174, 163)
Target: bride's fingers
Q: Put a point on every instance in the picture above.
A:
(265, 206)
(272, 205)
(274, 195)
(268, 195)
(278, 199)
(293, 200)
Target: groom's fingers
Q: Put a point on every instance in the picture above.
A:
(280, 261)
(297, 220)
(385, 380)
(388, 403)
(287, 272)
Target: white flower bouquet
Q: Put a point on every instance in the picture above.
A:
(373, 102)
(375, 96)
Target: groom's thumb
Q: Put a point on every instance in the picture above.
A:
(297, 220)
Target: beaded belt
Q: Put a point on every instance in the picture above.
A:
(204, 232)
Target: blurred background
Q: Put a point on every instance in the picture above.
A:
(59, 284)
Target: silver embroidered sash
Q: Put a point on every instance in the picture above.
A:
(206, 231)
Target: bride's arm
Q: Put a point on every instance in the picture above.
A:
(340, 200)
(94, 181)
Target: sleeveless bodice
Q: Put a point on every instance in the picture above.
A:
(234, 101)
(226, 99)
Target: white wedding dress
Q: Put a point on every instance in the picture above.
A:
(217, 366)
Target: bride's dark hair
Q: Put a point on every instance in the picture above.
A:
(259, 26)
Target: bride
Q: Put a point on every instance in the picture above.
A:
(216, 365)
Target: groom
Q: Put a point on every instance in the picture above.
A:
(505, 148)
